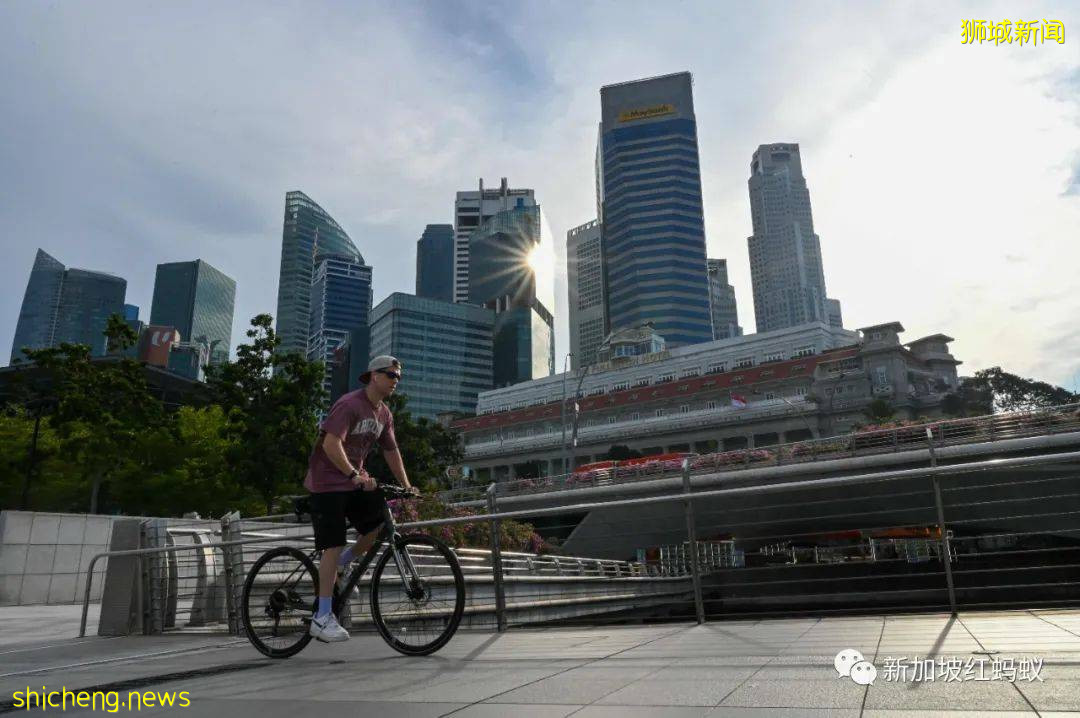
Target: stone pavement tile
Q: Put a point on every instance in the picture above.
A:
(582, 685)
(261, 708)
(1053, 695)
(596, 711)
(756, 693)
(732, 712)
(948, 714)
(649, 692)
(692, 672)
(965, 695)
(706, 661)
(797, 672)
(524, 710)
(477, 687)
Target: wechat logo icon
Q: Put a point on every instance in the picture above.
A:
(849, 663)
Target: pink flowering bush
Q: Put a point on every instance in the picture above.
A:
(513, 535)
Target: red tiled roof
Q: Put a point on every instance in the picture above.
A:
(803, 366)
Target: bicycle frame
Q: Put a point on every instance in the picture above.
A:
(388, 534)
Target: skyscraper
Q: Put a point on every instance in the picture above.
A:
(725, 315)
(198, 300)
(653, 221)
(585, 287)
(445, 349)
(340, 307)
(505, 275)
(66, 305)
(308, 232)
(435, 263)
(785, 253)
(470, 210)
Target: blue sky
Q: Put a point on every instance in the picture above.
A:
(944, 179)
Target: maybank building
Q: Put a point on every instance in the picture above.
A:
(653, 235)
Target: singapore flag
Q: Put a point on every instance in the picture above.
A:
(737, 401)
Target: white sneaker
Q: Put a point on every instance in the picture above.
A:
(327, 629)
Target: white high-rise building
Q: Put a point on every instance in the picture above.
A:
(470, 210)
(785, 254)
(585, 287)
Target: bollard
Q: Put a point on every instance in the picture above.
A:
(496, 564)
(946, 556)
(691, 539)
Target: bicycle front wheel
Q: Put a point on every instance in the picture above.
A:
(417, 616)
(280, 593)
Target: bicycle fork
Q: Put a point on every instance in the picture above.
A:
(411, 583)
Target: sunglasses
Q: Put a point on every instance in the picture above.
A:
(391, 374)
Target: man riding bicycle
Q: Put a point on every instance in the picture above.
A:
(341, 489)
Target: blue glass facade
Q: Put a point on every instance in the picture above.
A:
(308, 232)
(198, 300)
(653, 234)
(66, 305)
(445, 350)
(37, 317)
(435, 263)
(340, 306)
(501, 277)
(86, 303)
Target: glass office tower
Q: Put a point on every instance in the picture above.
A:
(66, 305)
(308, 232)
(435, 263)
(653, 222)
(340, 305)
(503, 275)
(198, 300)
(445, 350)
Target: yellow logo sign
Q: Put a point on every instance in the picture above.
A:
(654, 111)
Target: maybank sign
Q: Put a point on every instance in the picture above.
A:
(654, 111)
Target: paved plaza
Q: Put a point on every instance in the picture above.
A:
(773, 667)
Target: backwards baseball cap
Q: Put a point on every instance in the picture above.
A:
(384, 361)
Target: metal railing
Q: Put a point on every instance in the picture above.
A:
(986, 533)
(1012, 425)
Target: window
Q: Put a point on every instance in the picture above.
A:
(717, 367)
(690, 371)
(597, 391)
(710, 405)
(621, 386)
(659, 412)
(744, 362)
(611, 419)
(800, 391)
(684, 409)
(839, 390)
(636, 416)
(642, 381)
(770, 395)
(880, 376)
(774, 356)
(803, 351)
(665, 377)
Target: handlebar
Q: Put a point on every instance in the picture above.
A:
(395, 491)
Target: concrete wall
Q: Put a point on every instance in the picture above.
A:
(44, 556)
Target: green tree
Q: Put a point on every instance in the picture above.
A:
(971, 398)
(426, 448)
(879, 411)
(621, 452)
(104, 413)
(1009, 392)
(271, 403)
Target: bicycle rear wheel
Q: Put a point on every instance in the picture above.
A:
(279, 596)
(418, 619)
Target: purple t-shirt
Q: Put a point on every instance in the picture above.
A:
(360, 425)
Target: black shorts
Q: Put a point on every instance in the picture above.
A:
(363, 509)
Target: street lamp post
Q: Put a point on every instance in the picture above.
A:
(564, 450)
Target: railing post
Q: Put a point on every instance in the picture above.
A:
(496, 564)
(691, 539)
(233, 558)
(946, 556)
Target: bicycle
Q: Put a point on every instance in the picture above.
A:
(416, 610)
